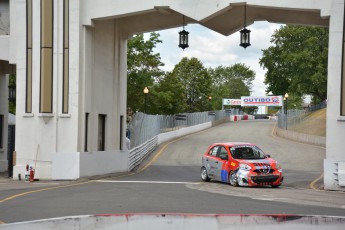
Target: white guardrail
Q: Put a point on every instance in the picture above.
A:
(139, 153)
(183, 221)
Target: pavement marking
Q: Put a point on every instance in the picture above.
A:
(148, 182)
(41, 190)
(270, 199)
(44, 183)
(312, 184)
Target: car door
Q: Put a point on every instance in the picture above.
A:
(212, 162)
(222, 160)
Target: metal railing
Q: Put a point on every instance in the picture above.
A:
(317, 107)
(292, 118)
(144, 127)
(143, 130)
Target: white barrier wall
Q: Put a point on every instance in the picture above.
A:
(183, 221)
(71, 166)
(163, 137)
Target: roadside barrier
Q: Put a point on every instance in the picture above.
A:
(183, 221)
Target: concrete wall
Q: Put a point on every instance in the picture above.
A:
(97, 85)
(163, 137)
(335, 123)
(75, 165)
(4, 47)
(183, 222)
(301, 137)
(72, 166)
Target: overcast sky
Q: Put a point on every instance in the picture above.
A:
(214, 49)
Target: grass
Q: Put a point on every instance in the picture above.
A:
(313, 123)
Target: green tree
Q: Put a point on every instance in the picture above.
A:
(142, 69)
(294, 102)
(297, 62)
(168, 96)
(230, 82)
(196, 82)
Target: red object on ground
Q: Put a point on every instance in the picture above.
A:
(32, 174)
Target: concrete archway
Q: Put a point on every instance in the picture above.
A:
(97, 35)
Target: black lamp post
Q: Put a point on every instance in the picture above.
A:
(146, 91)
(12, 93)
(245, 33)
(183, 38)
(286, 107)
(209, 102)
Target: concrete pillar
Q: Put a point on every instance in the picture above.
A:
(334, 174)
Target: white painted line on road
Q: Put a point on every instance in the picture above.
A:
(270, 199)
(147, 182)
(43, 183)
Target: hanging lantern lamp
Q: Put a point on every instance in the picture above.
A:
(183, 35)
(245, 33)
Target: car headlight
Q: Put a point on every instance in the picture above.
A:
(245, 167)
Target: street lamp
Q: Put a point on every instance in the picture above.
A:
(286, 107)
(183, 37)
(286, 99)
(12, 93)
(245, 33)
(146, 91)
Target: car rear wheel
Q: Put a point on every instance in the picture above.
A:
(204, 175)
(233, 178)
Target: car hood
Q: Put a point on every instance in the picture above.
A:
(259, 163)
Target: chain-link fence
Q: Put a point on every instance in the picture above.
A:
(144, 127)
(303, 122)
(317, 107)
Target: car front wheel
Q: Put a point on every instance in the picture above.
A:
(204, 176)
(233, 178)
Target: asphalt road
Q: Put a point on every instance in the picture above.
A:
(169, 182)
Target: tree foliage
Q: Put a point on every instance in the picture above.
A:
(195, 82)
(297, 62)
(167, 96)
(142, 68)
(230, 82)
(189, 87)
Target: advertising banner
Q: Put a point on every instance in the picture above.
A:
(261, 101)
(231, 101)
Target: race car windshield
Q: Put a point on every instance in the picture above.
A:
(247, 152)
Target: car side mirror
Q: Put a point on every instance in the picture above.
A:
(268, 156)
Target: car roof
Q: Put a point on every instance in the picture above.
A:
(232, 144)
